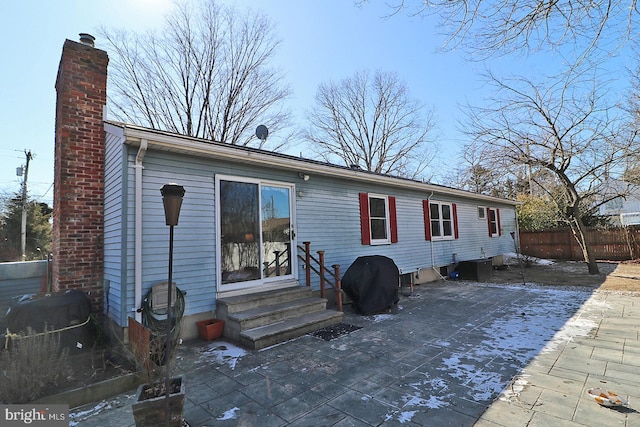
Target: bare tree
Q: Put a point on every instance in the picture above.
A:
(372, 122)
(205, 74)
(471, 174)
(494, 26)
(565, 127)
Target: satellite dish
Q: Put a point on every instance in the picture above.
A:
(262, 132)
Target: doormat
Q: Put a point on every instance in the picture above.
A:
(332, 332)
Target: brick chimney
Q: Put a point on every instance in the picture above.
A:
(78, 220)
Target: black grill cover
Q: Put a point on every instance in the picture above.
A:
(372, 283)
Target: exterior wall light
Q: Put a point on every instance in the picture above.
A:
(303, 176)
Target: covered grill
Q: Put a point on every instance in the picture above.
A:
(372, 283)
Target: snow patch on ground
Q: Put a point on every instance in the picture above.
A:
(516, 338)
(379, 317)
(515, 388)
(509, 256)
(573, 328)
(341, 347)
(229, 415)
(223, 353)
(76, 418)
(416, 402)
(406, 416)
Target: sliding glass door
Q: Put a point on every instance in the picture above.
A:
(276, 230)
(255, 232)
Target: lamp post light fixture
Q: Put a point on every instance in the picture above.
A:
(172, 195)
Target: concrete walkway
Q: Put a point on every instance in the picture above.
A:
(453, 354)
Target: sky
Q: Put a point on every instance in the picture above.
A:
(321, 41)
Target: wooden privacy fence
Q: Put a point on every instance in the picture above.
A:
(611, 244)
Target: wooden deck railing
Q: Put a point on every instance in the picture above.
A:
(322, 272)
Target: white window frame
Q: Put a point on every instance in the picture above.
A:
(482, 213)
(239, 286)
(387, 220)
(495, 215)
(441, 221)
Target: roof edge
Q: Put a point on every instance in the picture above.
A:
(171, 142)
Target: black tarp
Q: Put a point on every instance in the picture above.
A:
(372, 283)
(68, 312)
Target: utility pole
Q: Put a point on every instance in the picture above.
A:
(23, 230)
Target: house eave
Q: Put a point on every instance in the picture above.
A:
(165, 141)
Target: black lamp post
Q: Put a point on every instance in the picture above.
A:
(172, 200)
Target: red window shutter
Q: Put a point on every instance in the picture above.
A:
(489, 220)
(427, 219)
(393, 222)
(365, 224)
(454, 209)
(498, 221)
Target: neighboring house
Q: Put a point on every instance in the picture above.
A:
(241, 206)
(625, 210)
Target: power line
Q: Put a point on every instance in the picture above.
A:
(45, 193)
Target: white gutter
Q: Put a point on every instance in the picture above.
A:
(138, 230)
(433, 256)
(433, 259)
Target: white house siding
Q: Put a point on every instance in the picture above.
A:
(114, 228)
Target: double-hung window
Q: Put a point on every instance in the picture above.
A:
(378, 219)
(440, 220)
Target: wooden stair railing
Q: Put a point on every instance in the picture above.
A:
(321, 271)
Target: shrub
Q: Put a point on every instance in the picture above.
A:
(33, 363)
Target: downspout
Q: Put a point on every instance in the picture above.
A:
(433, 258)
(138, 230)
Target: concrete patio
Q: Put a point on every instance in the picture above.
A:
(454, 353)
